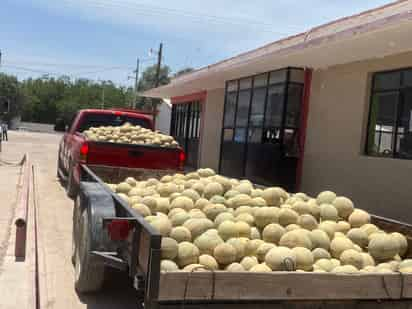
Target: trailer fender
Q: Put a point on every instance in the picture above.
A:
(99, 204)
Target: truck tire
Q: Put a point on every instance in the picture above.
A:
(89, 276)
(71, 187)
(75, 227)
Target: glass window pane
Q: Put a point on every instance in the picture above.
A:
(245, 83)
(407, 78)
(296, 75)
(277, 77)
(293, 106)
(230, 108)
(386, 108)
(240, 135)
(255, 135)
(232, 86)
(260, 80)
(384, 81)
(243, 108)
(405, 122)
(258, 107)
(385, 146)
(227, 135)
(274, 108)
(404, 146)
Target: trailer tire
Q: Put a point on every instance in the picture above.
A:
(89, 276)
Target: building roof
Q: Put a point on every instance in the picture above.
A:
(374, 33)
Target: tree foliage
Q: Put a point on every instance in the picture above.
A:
(11, 92)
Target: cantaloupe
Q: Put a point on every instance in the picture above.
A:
(248, 262)
(201, 203)
(266, 215)
(304, 258)
(187, 253)
(367, 259)
(288, 216)
(182, 202)
(206, 172)
(258, 202)
(301, 207)
(352, 257)
(162, 225)
(208, 261)
(294, 239)
(314, 208)
(273, 232)
(180, 234)
(260, 268)
(383, 247)
(281, 259)
(340, 244)
(324, 264)
(142, 209)
(227, 229)
(162, 205)
(328, 212)
(212, 210)
(359, 237)
(225, 216)
(207, 242)
(254, 233)
(369, 228)
(123, 187)
(320, 253)
(240, 200)
(272, 196)
(180, 218)
(345, 269)
(252, 246)
(194, 268)
(358, 218)
(192, 194)
(344, 206)
(225, 254)
(213, 188)
(168, 265)
(329, 227)
(245, 217)
(242, 229)
(262, 250)
(198, 226)
(403, 242)
(231, 193)
(326, 197)
(244, 188)
(169, 248)
(234, 267)
(196, 214)
(240, 246)
(307, 222)
(319, 239)
(292, 227)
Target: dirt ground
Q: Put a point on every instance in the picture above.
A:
(55, 228)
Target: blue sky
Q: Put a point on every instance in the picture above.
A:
(101, 39)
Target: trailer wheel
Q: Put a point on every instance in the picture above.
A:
(75, 228)
(89, 277)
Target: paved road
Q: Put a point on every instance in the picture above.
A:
(55, 226)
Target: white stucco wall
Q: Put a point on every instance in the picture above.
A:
(163, 117)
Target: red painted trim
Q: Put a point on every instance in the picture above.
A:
(198, 96)
(303, 126)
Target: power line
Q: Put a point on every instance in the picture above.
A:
(162, 11)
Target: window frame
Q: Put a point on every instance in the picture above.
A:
(286, 83)
(395, 154)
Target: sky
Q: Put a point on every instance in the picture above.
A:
(101, 39)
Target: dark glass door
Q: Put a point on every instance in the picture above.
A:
(185, 128)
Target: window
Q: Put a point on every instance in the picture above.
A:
(98, 120)
(390, 115)
(261, 125)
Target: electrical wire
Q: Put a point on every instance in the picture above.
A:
(158, 11)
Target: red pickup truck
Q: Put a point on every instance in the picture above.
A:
(75, 148)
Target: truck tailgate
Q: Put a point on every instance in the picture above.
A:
(134, 156)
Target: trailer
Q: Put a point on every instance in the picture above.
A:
(107, 233)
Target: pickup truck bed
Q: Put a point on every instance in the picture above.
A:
(139, 255)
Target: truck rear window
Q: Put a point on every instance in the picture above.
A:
(98, 120)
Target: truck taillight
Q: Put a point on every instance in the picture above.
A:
(182, 158)
(119, 229)
(84, 151)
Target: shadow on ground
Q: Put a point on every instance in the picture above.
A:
(117, 292)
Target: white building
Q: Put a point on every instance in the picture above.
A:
(164, 112)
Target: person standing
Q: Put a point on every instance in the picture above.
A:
(1, 132)
(4, 129)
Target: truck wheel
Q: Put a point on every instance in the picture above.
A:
(71, 187)
(75, 228)
(89, 277)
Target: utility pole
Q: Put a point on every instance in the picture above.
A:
(157, 80)
(0, 57)
(103, 95)
(136, 80)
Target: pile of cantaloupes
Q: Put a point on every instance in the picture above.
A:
(211, 222)
(130, 134)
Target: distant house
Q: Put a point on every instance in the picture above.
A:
(330, 108)
(163, 118)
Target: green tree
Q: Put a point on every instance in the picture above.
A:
(11, 92)
(148, 81)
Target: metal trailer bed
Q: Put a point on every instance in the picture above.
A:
(139, 255)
